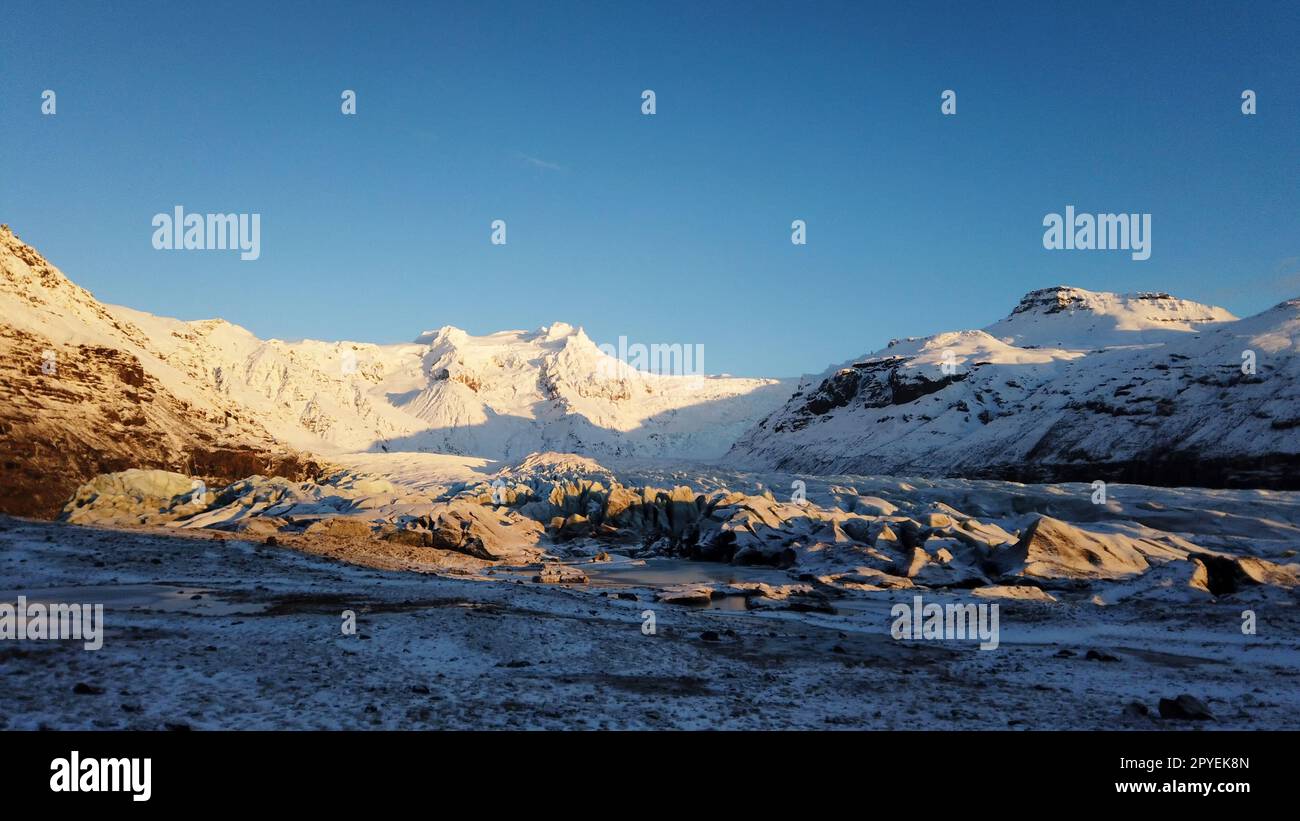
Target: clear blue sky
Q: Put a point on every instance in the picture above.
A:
(671, 228)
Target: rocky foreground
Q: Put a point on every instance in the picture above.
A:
(534, 585)
(555, 512)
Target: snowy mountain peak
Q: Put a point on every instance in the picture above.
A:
(1075, 318)
(1074, 385)
(499, 395)
(23, 271)
(444, 335)
(1154, 306)
(450, 335)
(559, 330)
(1054, 300)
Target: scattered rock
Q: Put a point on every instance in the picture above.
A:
(685, 595)
(1022, 592)
(936, 520)
(1185, 707)
(560, 574)
(912, 562)
(341, 527)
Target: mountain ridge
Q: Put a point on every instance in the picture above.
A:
(1072, 385)
(213, 383)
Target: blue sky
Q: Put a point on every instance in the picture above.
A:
(666, 228)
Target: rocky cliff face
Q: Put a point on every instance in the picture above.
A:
(83, 391)
(1071, 386)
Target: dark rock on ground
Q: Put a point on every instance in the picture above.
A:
(1185, 707)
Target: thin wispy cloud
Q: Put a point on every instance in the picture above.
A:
(537, 162)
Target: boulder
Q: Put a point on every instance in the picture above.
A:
(857, 528)
(137, 497)
(937, 520)
(883, 535)
(1259, 571)
(1021, 592)
(1053, 549)
(911, 562)
(1185, 707)
(340, 527)
(573, 526)
(560, 574)
(1221, 574)
(466, 527)
(685, 594)
(980, 534)
(758, 544)
(873, 506)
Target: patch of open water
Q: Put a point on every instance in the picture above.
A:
(160, 598)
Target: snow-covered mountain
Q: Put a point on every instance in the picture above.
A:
(116, 385)
(1072, 385)
(499, 396)
(85, 390)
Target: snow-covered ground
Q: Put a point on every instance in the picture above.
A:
(441, 652)
(485, 645)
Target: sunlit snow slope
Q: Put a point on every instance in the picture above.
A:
(498, 396)
(1072, 385)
